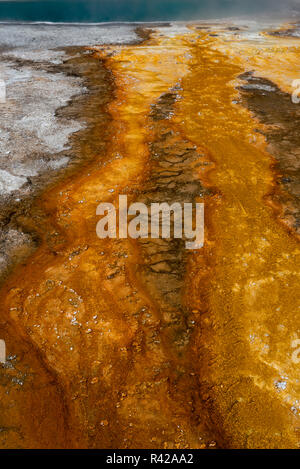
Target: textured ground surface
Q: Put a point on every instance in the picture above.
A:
(139, 343)
(43, 69)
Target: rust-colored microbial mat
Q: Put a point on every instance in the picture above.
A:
(124, 343)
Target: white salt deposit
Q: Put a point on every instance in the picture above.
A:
(50, 36)
(28, 122)
(9, 182)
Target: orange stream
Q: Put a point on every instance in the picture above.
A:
(78, 304)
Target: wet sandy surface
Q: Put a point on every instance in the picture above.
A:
(139, 343)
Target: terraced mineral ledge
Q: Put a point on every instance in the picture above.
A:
(124, 343)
